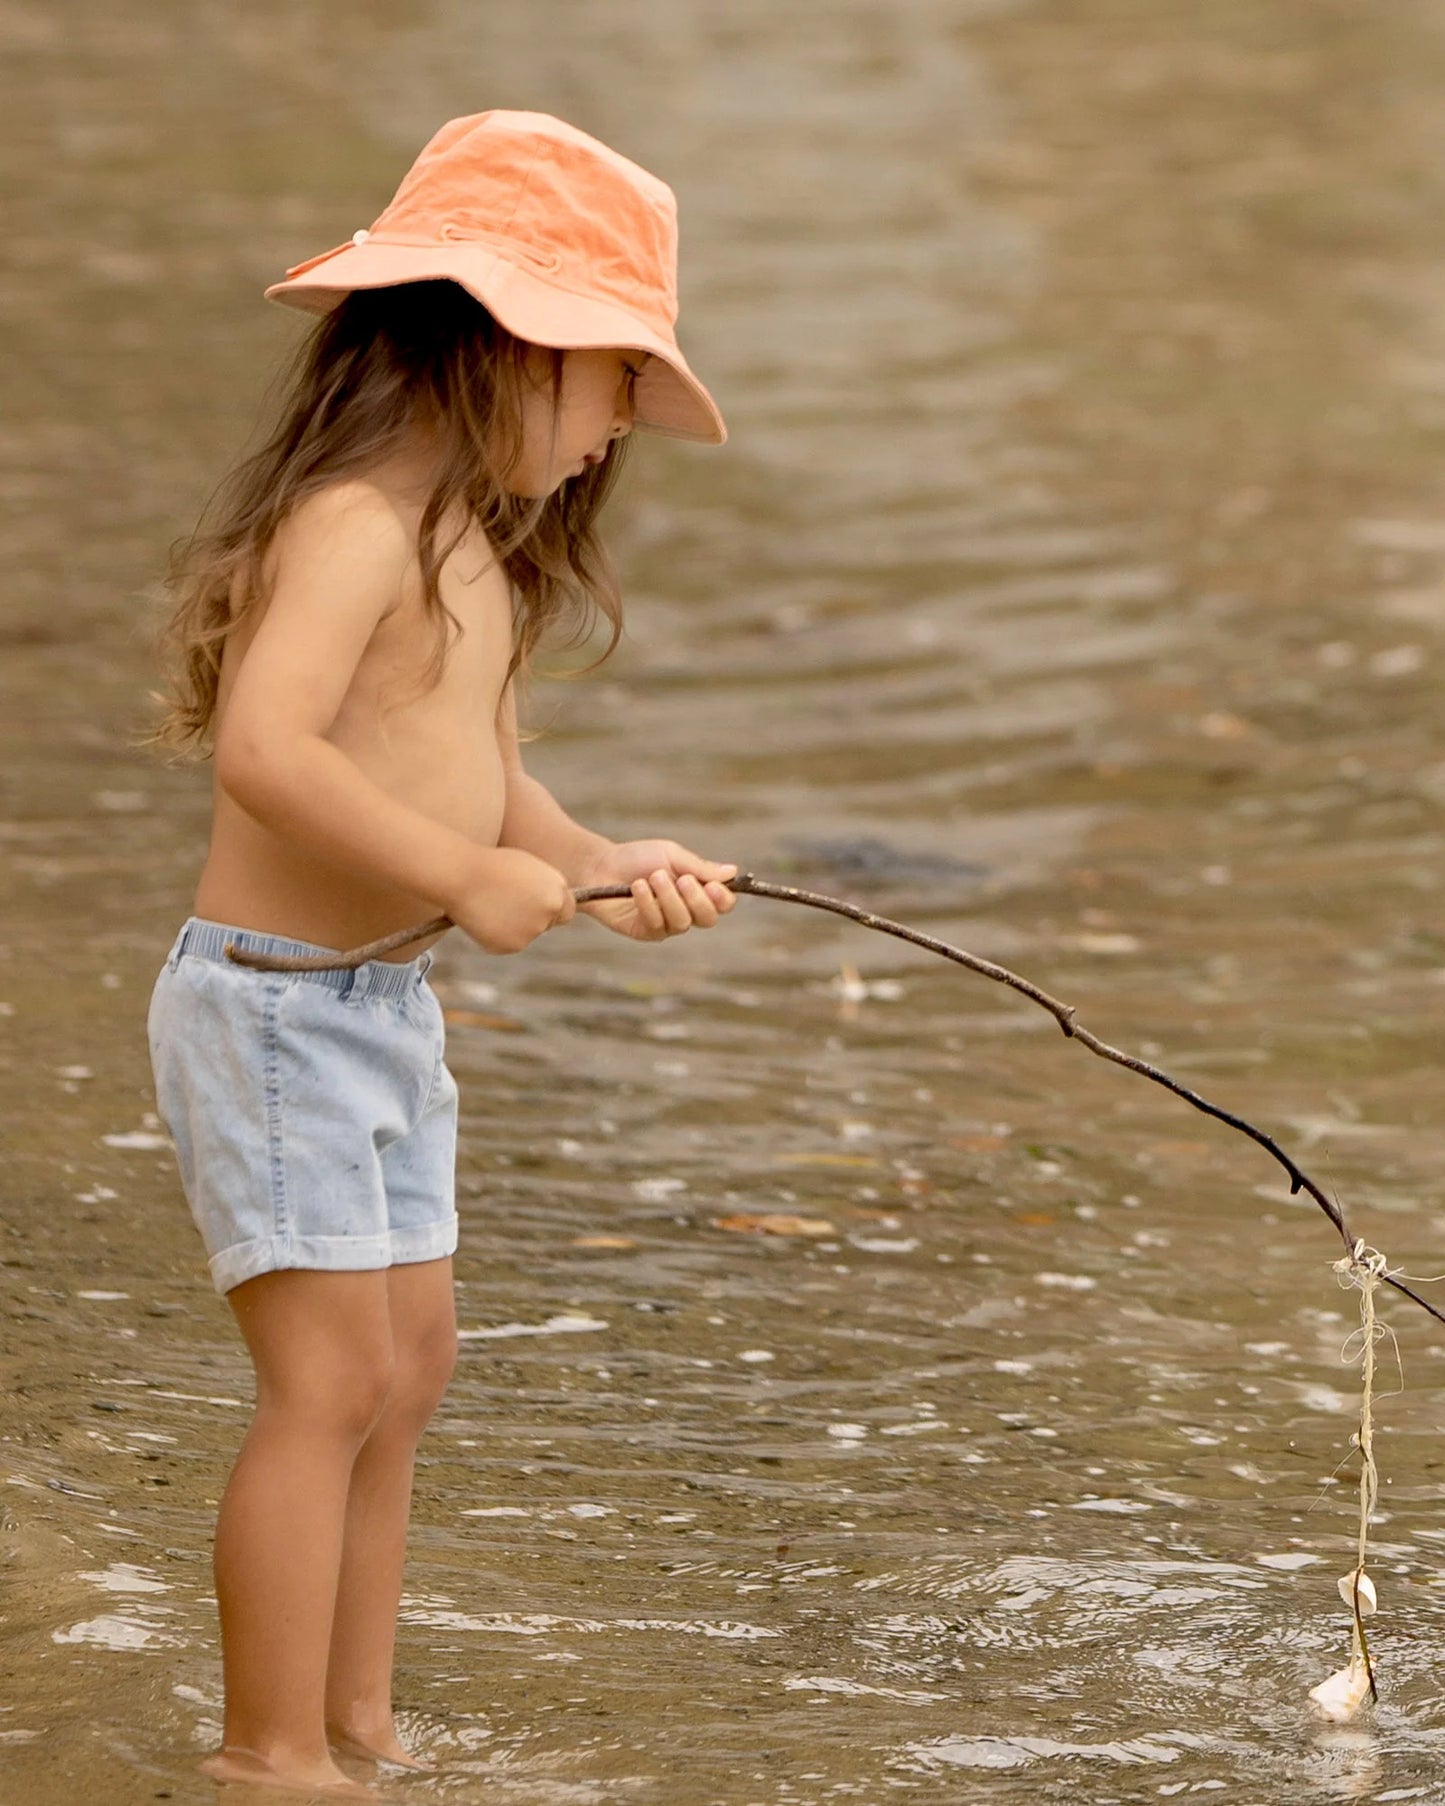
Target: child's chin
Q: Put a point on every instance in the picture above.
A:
(531, 490)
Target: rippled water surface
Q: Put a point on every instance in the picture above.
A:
(1073, 587)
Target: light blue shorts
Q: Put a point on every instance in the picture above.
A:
(314, 1118)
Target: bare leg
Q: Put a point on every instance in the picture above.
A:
(321, 1344)
(363, 1634)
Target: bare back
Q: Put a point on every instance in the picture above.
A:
(430, 745)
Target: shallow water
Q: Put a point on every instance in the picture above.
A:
(1072, 588)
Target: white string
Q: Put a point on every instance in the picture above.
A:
(1364, 1267)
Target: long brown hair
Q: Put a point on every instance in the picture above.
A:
(382, 362)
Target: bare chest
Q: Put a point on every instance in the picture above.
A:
(433, 670)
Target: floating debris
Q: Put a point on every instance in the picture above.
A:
(658, 1191)
(981, 1141)
(825, 1159)
(505, 1025)
(1397, 661)
(1108, 944)
(752, 1223)
(1222, 726)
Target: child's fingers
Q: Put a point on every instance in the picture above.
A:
(660, 907)
(666, 905)
(676, 915)
(649, 910)
(685, 862)
(700, 901)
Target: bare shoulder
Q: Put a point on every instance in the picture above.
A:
(357, 516)
(346, 549)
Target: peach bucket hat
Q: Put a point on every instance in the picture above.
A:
(566, 243)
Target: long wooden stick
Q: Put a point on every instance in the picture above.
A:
(1063, 1013)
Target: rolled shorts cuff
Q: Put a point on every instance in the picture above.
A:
(331, 1253)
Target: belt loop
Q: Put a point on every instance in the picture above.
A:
(348, 980)
(174, 959)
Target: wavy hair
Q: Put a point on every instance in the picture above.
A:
(381, 363)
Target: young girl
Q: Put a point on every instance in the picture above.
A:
(348, 638)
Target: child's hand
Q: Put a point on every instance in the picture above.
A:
(672, 889)
(509, 899)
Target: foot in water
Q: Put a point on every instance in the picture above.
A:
(378, 1745)
(315, 1778)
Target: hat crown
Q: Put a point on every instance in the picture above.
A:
(541, 193)
(565, 242)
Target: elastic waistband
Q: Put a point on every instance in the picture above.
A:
(377, 978)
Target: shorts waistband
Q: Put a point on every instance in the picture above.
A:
(377, 978)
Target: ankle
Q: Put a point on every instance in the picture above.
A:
(360, 1721)
(278, 1751)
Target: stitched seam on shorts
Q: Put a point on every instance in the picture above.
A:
(274, 1146)
(431, 1090)
(436, 1071)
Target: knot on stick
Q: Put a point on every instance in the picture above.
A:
(1363, 1266)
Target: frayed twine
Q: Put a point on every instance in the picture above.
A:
(1342, 1695)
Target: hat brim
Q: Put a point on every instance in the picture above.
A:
(668, 399)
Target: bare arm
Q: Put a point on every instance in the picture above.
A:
(534, 820)
(343, 559)
(672, 889)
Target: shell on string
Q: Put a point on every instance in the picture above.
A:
(1342, 1695)
(1346, 1584)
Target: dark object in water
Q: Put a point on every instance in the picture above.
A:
(874, 861)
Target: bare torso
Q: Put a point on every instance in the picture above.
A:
(433, 746)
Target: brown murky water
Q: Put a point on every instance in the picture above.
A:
(1073, 586)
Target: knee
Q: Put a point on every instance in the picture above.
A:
(423, 1372)
(362, 1394)
(341, 1401)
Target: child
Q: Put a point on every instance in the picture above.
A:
(348, 638)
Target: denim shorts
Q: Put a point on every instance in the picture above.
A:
(314, 1118)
